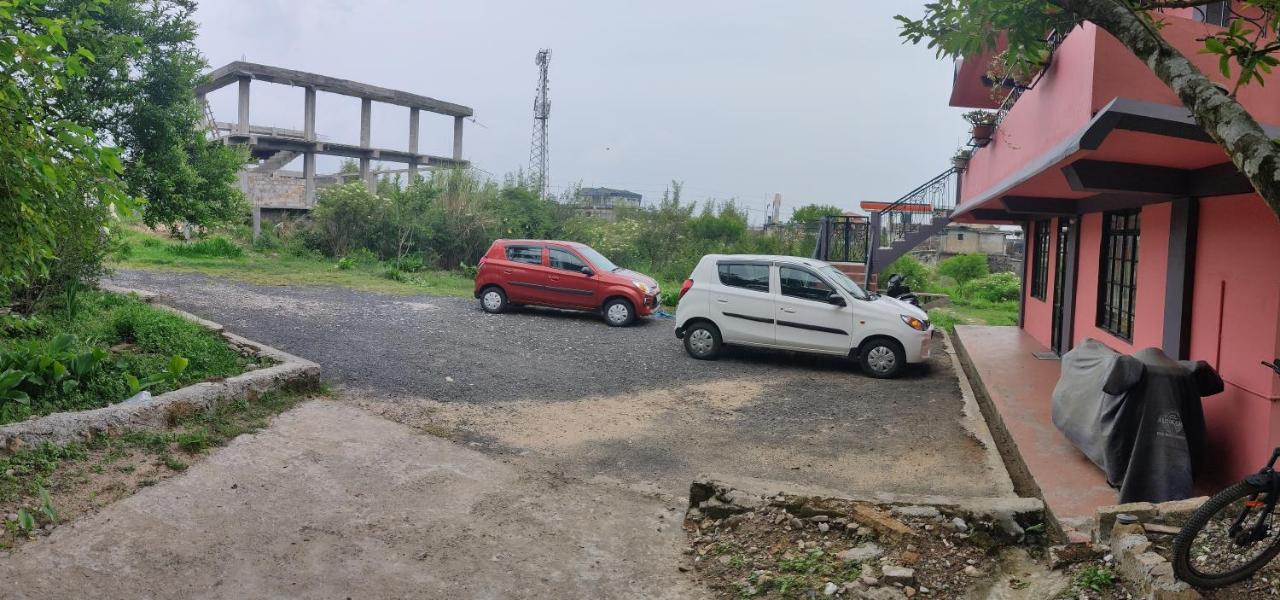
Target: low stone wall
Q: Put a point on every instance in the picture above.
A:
(163, 410)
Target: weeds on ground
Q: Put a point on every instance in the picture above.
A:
(1095, 578)
(33, 480)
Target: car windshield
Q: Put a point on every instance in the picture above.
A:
(839, 278)
(596, 258)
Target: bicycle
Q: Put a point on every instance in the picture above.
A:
(1240, 534)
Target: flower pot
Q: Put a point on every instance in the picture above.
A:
(982, 134)
(960, 163)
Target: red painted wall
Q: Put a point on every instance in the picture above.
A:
(1038, 318)
(1235, 325)
(1153, 262)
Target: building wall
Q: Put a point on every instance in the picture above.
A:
(1235, 325)
(1038, 314)
(1153, 262)
(276, 190)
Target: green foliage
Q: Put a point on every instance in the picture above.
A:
(812, 213)
(1095, 578)
(58, 184)
(964, 267)
(138, 93)
(344, 217)
(345, 263)
(216, 246)
(996, 287)
(917, 276)
(64, 364)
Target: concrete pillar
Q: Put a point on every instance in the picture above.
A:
(1184, 227)
(309, 157)
(413, 144)
(366, 125)
(457, 138)
(242, 120)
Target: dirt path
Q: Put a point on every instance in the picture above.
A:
(332, 502)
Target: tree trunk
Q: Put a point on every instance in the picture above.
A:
(1220, 115)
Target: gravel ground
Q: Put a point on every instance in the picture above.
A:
(623, 404)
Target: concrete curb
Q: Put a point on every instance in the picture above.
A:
(161, 411)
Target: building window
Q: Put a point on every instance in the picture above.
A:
(1118, 272)
(1214, 13)
(959, 236)
(1040, 262)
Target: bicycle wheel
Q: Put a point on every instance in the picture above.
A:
(1215, 547)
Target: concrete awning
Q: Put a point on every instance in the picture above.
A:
(1131, 153)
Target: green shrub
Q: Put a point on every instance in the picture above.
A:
(345, 263)
(409, 264)
(918, 277)
(964, 267)
(996, 287)
(213, 247)
(394, 274)
(344, 218)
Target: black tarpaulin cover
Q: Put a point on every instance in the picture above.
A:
(1137, 417)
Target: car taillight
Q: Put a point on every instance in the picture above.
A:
(688, 283)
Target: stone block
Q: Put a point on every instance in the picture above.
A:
(1106, 515)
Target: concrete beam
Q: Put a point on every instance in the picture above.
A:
(226, 74)
(265, 144)
(242, 119)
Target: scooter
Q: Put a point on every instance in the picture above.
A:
(897, 288)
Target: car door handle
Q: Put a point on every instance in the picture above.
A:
(553, 277)
(722, 300)
(507, 271)
(786, 310)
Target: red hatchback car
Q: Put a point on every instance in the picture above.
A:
(562, 275)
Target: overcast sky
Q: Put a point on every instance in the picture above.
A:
(818, 101)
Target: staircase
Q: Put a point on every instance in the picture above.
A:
(901, 225)
(276, 161)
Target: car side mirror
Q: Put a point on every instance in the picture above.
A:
(587, 271)
(836, 299)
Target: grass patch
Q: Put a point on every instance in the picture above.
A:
(80, 354)
(974, 312)
(142, 249)
(1096, 579)
(69, 479)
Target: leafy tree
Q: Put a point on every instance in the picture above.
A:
(812, 213)
(58, 184)
(138, 93)
(521, 213)
(964, 268)
(968, 27)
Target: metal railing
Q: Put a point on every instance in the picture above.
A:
(842, 239)
(933, 198)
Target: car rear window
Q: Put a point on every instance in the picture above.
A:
(525, 254)
(745, 275)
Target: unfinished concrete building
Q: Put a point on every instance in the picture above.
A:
(270, 188)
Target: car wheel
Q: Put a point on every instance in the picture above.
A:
(702, 341)
(493, 300)
(619, 313)
(882, 358)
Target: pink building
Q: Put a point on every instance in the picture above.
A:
(1139, 230)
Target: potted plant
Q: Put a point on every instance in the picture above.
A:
(961, 159)
(1008, 72)
(984, 126)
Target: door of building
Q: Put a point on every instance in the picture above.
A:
(1059, 344)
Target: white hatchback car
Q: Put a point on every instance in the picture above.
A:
(796, 303)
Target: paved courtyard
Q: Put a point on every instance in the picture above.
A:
(567, 449)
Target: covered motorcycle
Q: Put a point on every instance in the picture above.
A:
(1138, 417)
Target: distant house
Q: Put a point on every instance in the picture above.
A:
(965, 238)
(602, 202)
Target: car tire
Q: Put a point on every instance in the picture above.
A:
(702, 341)
(882, 358)
(493, 300)
(619, 312)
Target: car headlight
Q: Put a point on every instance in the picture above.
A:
(642, 286)
(915, 323)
